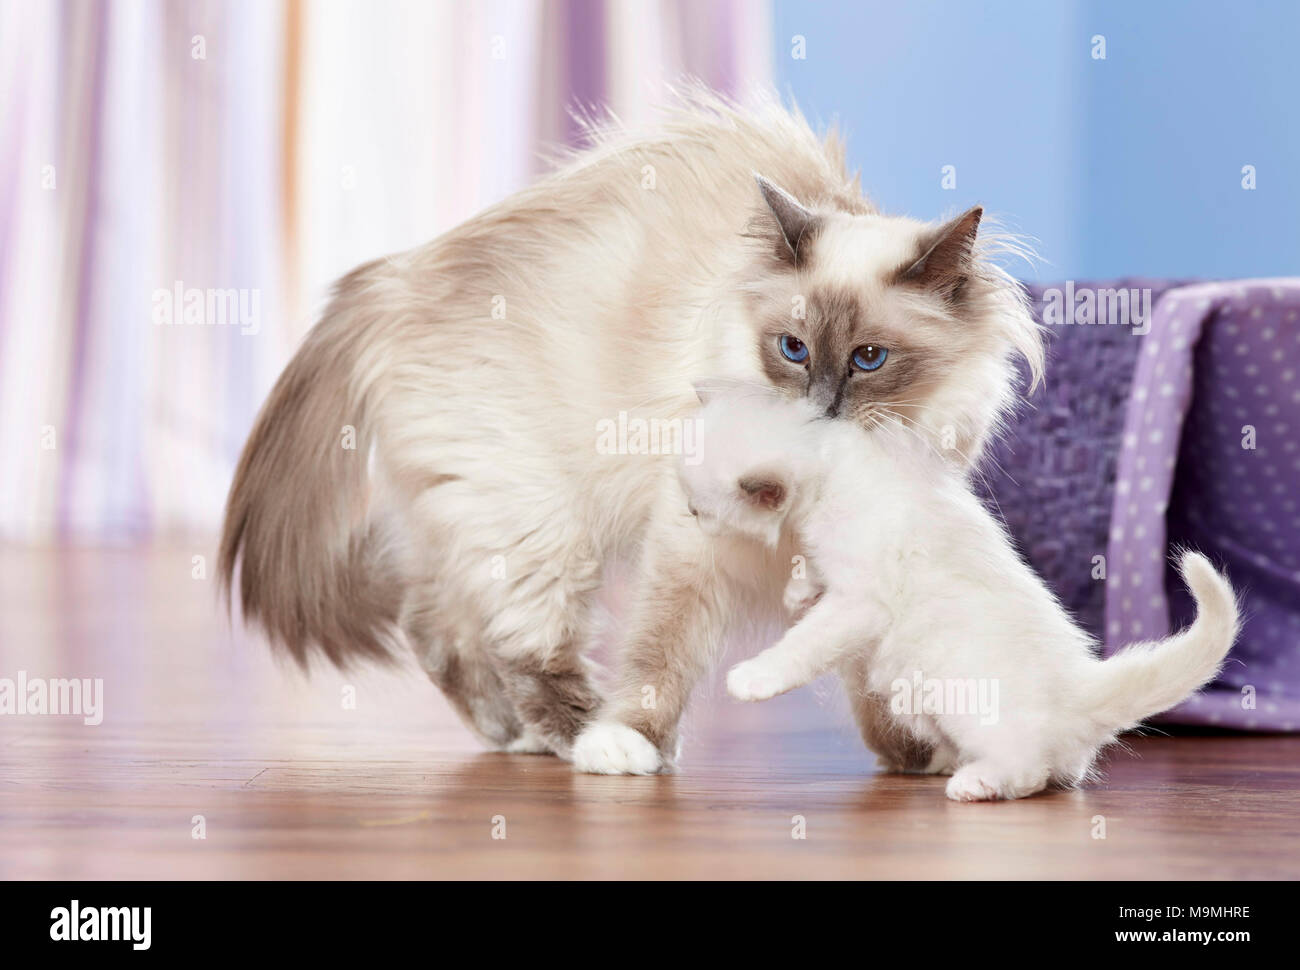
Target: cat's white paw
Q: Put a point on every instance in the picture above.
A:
(610, 748)
(973, 784)
(983, 782)
(754, 680)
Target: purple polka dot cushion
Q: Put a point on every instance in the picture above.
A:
(1209, 459)
(1182, 431)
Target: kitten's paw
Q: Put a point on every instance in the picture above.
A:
(973, 784)
(983, 782)
(610, 748)
(754, 680)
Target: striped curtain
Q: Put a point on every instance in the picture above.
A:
(180, 182)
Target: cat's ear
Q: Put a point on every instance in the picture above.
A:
(792, 219)
(765, 490)
(944, 264)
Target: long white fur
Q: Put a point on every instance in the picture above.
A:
(915, 576)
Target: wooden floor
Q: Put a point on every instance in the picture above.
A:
(292, 784)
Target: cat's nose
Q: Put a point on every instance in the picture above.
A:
(825, 393)
(691, 509)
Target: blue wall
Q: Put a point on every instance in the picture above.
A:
(1128, 165)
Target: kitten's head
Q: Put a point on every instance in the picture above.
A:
(744, 479)
(880, 318)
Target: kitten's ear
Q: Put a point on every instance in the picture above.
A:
(944, 265)
(794, 221)
(765, 490)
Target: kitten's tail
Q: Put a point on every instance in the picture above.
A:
(1147, 678)
(315, 570)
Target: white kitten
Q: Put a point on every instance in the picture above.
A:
(924, 599)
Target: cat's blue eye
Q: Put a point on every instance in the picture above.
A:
(792, 348)
(870, 357)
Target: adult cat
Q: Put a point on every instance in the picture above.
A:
(471, 518)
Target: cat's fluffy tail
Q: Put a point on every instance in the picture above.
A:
(315, 569)
(1147, 678)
